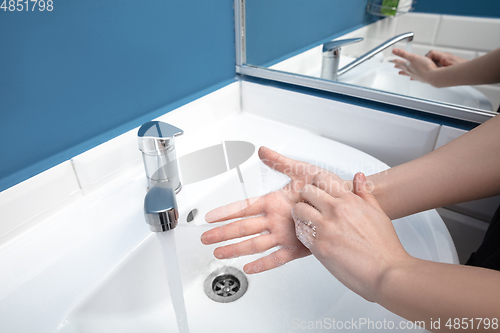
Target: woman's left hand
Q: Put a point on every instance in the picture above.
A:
(348, 232)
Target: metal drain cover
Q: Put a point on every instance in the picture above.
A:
(226, 284)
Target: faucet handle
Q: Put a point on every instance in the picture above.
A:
(336, 44)
(156, 136)
(157, 144)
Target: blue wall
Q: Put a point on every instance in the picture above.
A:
(89, 70)
(481, 8)
(277, 29)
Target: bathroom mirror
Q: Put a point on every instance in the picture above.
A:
(283, 41)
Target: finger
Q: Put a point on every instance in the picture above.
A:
(364, 189)
(277, 161)
(399, 63)
(433, 55)
(242, 228)
(250, 246)
(316, 197)
(275, 259)
(403, 73)
(305, 212)
(331, 184)
(235, 210)
(404, 54)
(446, 62)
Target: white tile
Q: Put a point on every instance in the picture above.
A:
(448, 134)
(391, 138)
(423, 25)
(482, 34)
(23, 204)
(382, 29)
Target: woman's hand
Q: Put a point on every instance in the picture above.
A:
(444, 59)
(348, 232)
(269, 215)
(415, 66)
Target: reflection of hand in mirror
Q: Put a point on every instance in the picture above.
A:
(269, 215)
(481, 70)
(348, 232)
(443, 59)
(415, 66)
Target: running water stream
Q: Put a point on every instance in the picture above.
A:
(167, 242)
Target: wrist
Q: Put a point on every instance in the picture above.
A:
(437, 77)
(393, 277)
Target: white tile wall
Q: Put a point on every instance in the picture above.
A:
(26, 203)
(424, 26)
(469, 33)
(391, 138)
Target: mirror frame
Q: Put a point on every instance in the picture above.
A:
(426, 106)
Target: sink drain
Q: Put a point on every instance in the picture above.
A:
(226, 284)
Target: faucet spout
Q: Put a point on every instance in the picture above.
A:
(160, 209)
(368, 55)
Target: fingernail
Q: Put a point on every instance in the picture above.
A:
(209, 217)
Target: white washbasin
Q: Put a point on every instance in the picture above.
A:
(380, 74)
(133, 296)
(384, 76)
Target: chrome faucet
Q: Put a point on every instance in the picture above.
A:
(331, 55)
(156, 142)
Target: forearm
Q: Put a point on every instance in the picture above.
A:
(465, 169)
(421, 290)
(481, 70)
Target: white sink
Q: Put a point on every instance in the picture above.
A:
(384, 76)
(380, 74)
(133, 296)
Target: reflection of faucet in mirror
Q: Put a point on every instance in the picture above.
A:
(156, 141)
(331, 55)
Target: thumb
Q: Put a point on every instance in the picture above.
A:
(445, 62)
(363, 189)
